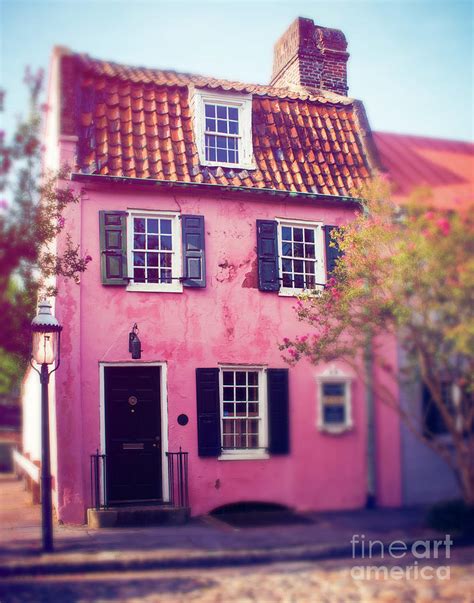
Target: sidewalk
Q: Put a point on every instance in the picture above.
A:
(203, 542)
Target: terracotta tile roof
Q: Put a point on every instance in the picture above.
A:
(137, 122)
(445, 166)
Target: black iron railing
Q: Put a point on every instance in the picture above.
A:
(178, 478)
(98, 481)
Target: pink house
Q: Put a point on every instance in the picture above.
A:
(208, 206)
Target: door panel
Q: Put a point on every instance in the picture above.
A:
(133, 433)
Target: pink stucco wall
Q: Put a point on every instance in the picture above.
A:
(230, 321)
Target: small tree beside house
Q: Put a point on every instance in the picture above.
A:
(407, 274)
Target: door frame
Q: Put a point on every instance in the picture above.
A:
(163, 412)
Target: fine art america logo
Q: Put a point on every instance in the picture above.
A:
(425, 559)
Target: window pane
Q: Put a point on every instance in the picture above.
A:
(152, 275)
(152, 241)
(221, 111)
(165, 226)
(210, 110)
(166, 242)
(334, 389)
(298, 250)
(139, 275)
(253, 409)
(228, 377)
(252, 378)
(298, 266)
(221, 142)
(241, 378)
(233, 127)
(139, 241)
(309, 267)
(240, 393)
(233, 113)
(139, 259)
(287, 280)
(309, 235)
(228, 410)
(139, 224)
(222, 126)
(152, 259)
(232, 157)
(253, 441)
(309, 251)
(222, 155)
(286, 248)
(241, 410)
(298, 234)
(211, 155)
(299, 281)
(165, 260)
(228, 394)
(211, 125)
(166, 276)
(152, 225)
(253, 393)
(335, 413)
(286, 233)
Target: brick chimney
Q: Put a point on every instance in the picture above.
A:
(311, 56)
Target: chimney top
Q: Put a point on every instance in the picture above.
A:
(310, 56)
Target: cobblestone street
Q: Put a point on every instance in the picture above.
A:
(315, 582)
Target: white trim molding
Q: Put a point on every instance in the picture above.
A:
(238, 454)
(319, 267)
(242, 102)
(163, 409)
(176, 285)
(334, 375)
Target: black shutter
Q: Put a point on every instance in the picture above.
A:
(194, 260)
(208, 416)
(113, 247)
(332, 250)
(267, 252)
(278, 411)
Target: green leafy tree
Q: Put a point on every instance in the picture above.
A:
(31, 217)
(406, 273)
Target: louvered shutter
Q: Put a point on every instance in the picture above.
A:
(278, 411)
(208, 415)
(267, 252)
(194, 260)
(113, 247)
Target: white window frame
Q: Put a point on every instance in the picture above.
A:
(261, 452)
(243, 102)
(176, 286)
(320, 268)
(334, 375)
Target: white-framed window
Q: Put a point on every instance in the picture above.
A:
(334, 395)
(223, 129)
(243, 412)
(154, 251)
(301, 255)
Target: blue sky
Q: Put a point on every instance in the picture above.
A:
(411, 62)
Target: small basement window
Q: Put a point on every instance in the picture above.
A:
(334, 401)
(223, 129)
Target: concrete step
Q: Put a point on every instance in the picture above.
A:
(137, 515)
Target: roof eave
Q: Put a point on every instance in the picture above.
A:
(200, 186)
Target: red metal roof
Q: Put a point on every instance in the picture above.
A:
(445, 166)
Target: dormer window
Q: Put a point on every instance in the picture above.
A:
(223, 129)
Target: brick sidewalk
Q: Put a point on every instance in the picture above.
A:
(202, 542)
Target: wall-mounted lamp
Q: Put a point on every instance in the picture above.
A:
(134, 343)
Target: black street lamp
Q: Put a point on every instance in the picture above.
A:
(46, 351)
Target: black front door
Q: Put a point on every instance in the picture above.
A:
(133, 433)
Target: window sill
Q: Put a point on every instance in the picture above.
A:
(241, 455)
(335, 429)
(174, 288)
(285, 292)
(232, 166)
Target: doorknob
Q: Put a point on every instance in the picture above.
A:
(157, 438)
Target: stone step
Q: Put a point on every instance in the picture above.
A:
(137, 515)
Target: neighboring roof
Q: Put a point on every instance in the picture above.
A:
(137, 123)
(445, 166)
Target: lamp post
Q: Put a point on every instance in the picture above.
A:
(46, 351)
